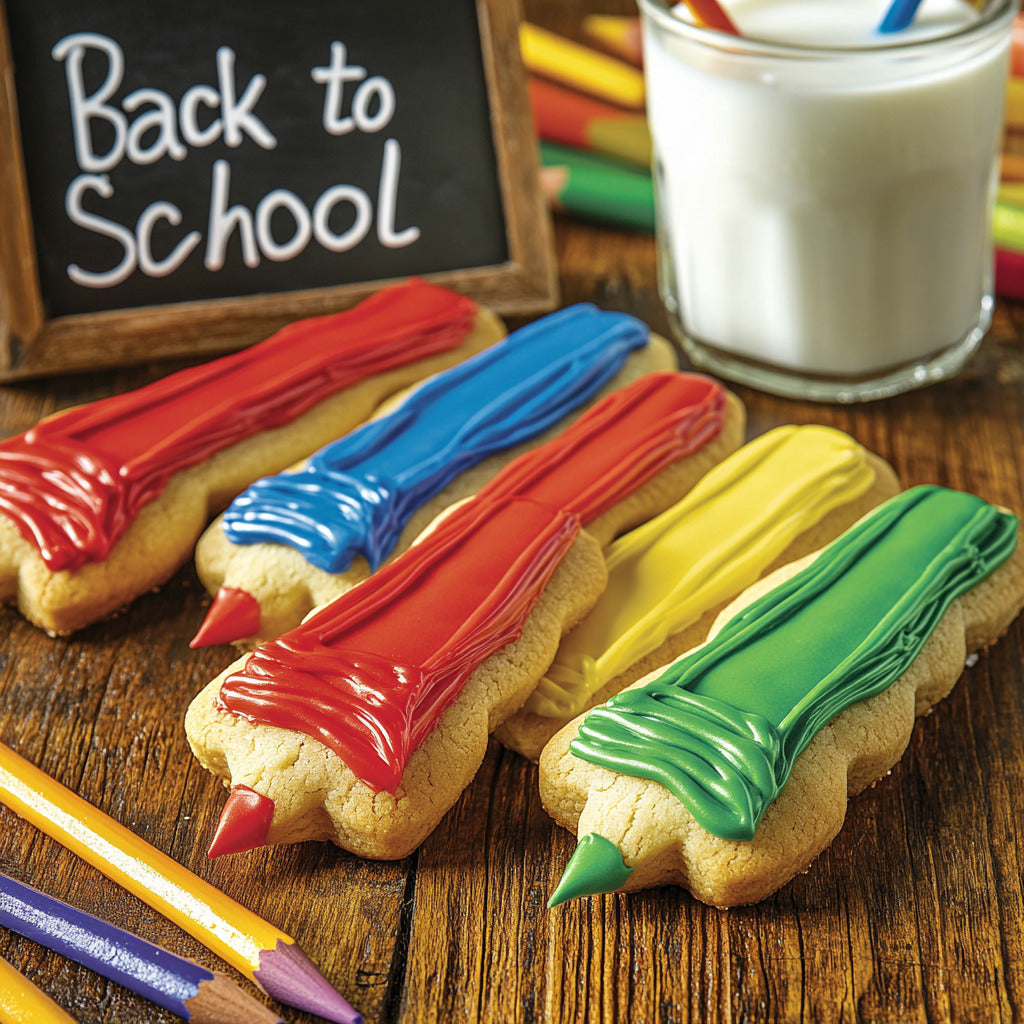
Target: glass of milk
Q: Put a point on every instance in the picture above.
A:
(825, 191)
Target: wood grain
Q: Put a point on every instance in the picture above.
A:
(915, 913)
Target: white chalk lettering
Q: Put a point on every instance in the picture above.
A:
(102, 226)
(282, 199)
(387, 197)
(84, 108)
(223, 222)
(376, 92)
(163, 119)
(189, 116)
(144, 236)
(237, 113)
(360, 228)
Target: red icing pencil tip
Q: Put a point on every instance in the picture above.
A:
(244, 822)
(234, 615)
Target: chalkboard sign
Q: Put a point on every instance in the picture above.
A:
(180, 179)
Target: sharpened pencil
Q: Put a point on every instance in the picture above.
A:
(587, 186)
(619, 34)
(182, 986)
(21, 1002)
(596, 74)
(261, 952)
(571, 119)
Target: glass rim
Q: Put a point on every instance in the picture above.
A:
(993, 14)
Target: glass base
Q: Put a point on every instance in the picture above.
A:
(811, 387)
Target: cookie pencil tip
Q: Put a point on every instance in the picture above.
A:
(287, 974)
(595, 867)
(244, 822)
(234, 615)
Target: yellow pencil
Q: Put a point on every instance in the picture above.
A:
(259, 950)
(596, 74)
(617, 33)
(22, 1003)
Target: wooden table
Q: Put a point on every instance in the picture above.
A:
(915, 913)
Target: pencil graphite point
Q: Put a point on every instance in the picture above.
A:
(234, 615)
(244, 822)
(596, 866)
(287, 974)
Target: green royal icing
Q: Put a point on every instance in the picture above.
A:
(722, 728)
(596, 866)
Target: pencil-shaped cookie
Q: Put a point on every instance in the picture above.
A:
(729, 771)
(301, 538)
(365, 723)
(781, 496)
(101, 503)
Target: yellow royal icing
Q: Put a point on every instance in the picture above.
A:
(664, 575)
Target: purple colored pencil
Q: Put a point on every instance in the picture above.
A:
(179, 985)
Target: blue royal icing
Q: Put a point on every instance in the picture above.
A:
(356, 495)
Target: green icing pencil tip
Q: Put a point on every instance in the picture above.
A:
(595, 867)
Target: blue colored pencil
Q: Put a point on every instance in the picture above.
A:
(899, 15)
(179, 985)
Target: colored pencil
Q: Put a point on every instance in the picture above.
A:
(899, 15)
(1008, 227)
(1014, 114)
(1011, 167)
(619, 34)
(1009, 281)
(259, 950)
(711, 14)
(587, 186)
(580, 67)
(1017, 46)
(572, 119)
(22, 1003)
(179, 985)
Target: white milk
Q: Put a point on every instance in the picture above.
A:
(827, 213)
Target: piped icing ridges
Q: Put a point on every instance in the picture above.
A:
(73, 484)
(667, 573)
(355, 495)
(370, 673)
(722, 727)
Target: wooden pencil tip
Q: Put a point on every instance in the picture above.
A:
(244, 822)
(221, 1001)
(234, 615)
(287, 974)
(596, 866)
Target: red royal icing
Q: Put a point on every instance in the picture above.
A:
(618, 445)
(370, 673)
(74, 483)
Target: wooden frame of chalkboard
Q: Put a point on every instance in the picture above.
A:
(36, 340)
